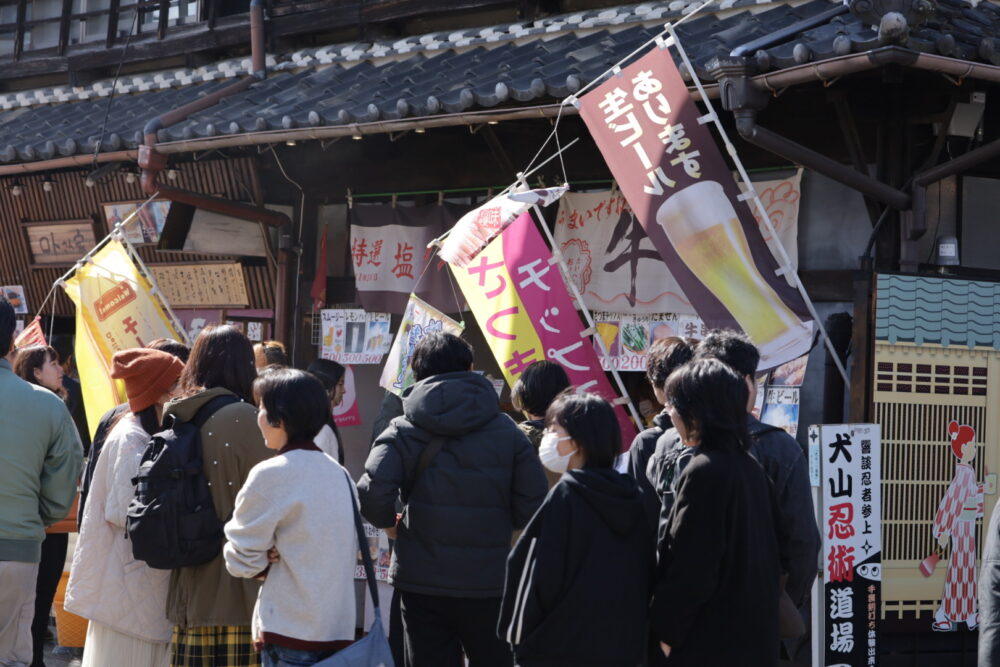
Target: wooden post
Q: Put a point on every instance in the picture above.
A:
(862, 346)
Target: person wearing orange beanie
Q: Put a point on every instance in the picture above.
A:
(124, 599)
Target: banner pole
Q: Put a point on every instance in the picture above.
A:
(157, 294)
(785, 261)
(564, 273)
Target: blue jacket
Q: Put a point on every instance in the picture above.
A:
(41, 459)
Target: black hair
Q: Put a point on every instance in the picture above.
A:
(171, 347)
(294, 399)
(591, 422)
(327, 371)
(8, 322)
(665, 356)
(711, 397)
(63, 345)
(221, 357)
(438, 353)
(731, 348)
(538, 386)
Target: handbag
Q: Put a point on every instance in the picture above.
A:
(372, 650)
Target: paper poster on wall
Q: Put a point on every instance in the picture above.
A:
(791, 374)
(194, 321)
(781, 409)
(144, 227)
(378, 549)
(15, 295)
(419, 319)
(354, 336)
(347, 413)
(628, 337)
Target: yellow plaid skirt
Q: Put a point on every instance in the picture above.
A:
(213, 646)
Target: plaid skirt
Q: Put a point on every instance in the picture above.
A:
(213, 646)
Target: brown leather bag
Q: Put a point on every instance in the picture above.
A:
(790, 623)
(67, 525)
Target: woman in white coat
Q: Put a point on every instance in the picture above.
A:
(124, 599)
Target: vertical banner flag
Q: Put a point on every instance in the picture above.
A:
(115, 310)
(672, 174)
(347, 413)
(419, 319)
(389, 254)
(519, 299)
(852, 541)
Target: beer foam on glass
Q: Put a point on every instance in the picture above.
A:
(705, 230)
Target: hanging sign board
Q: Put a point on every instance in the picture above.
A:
(206, 284)
(852, 541)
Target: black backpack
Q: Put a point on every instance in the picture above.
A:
(171, 521)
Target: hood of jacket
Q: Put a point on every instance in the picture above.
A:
(186, 408)
(613, 496)
(451, 403)
(662, 421)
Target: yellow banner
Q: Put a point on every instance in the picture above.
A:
(115, 310)
(492, 296)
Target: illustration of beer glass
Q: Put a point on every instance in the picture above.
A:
(705, 230)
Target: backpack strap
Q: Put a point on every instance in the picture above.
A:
(426, 456)
(206, 411)
(363, 546)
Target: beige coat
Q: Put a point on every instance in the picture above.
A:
(207, 595)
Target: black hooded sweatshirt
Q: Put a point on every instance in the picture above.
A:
(578, 580)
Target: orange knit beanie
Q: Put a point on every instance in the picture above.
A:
(148, 374)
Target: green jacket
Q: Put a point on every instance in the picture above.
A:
(40, 461)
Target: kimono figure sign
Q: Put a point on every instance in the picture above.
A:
(955, 521)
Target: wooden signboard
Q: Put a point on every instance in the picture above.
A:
(54, 243)
(218, 285)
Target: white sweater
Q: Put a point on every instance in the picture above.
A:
(106, 584)
(298, 502)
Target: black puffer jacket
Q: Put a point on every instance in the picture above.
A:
(485, 482)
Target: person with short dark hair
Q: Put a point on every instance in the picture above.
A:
(664, 356)
(293, 527)
(332, 375)
(719, 564)
(484, 481)
(42, 457)
(588, 547)
(171, 347)
(782, 458)
(212, 611)
(532, 394)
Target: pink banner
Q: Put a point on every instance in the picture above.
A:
(549, 307)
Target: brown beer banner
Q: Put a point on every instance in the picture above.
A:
(673, 175)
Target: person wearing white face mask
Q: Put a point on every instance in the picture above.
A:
(571, 553)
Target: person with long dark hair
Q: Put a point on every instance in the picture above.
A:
(719, 561)
(124, 599)
(211, 611)
(39, 365)
(331, 375)
(588, 547)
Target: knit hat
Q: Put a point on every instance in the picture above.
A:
(148, 374)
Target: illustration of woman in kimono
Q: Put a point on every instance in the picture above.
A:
(956, 518)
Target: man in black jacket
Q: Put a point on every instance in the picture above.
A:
(453, 539)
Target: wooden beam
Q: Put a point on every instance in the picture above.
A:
(161, 28)
(112, 24)
(19, 32)
(862, 349)
(64, 21)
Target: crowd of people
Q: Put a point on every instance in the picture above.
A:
(513, 542)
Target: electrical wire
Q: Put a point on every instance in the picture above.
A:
(114, 86)
(298, 254)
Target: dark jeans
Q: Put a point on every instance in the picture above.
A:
(50, 568)
(433, 624)
(279, 656)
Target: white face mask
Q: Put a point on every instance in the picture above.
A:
(548, 452)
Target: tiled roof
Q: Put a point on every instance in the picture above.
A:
(441, 73)
(941, 311)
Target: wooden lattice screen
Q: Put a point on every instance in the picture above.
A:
(918, 390)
